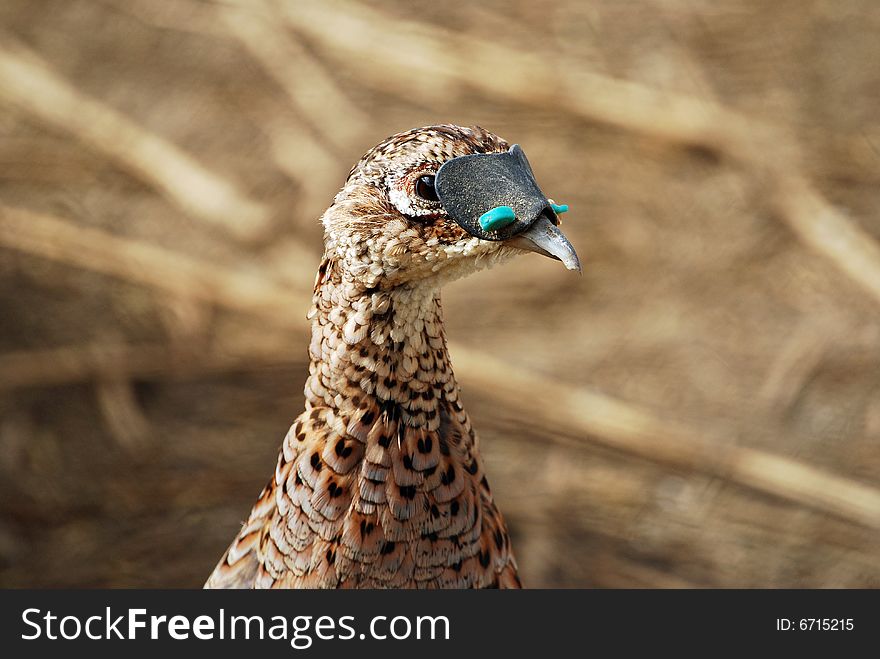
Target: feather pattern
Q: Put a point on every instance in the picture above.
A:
(379, 482)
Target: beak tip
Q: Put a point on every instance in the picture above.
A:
(574, 266)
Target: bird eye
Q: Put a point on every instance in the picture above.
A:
(425, 188)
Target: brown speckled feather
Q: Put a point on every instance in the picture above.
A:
(379, 482)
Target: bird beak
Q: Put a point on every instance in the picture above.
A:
(544, 237)
(494, 196)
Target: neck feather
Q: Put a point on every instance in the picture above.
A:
(388, 345)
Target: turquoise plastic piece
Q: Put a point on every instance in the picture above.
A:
(559, 209)
(497, 218)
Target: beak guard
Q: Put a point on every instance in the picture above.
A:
(481, 191)
(471, 186)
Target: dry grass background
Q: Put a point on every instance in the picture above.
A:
(701, 408)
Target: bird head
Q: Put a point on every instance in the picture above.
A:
(436, 203)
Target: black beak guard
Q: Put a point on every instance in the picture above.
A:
(469, 186)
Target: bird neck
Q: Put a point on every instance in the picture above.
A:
(388, 345)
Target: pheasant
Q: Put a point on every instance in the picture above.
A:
(379, 482)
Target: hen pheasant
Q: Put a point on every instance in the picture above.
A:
(379, 482)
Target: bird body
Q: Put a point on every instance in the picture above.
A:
(379, 482)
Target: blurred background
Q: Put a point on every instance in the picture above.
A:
(700, 408)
